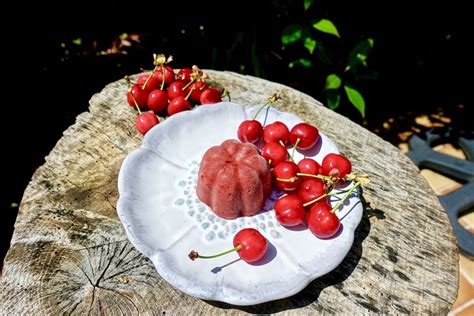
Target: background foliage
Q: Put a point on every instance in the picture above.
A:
(388, 61)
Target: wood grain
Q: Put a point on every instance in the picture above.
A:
(69, 252)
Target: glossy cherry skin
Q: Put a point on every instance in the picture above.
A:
(286, 170)
(184, 74)
(145, 121)
(309, 166)
(336, 165)
(210, 96)
(307, 134)
(289, 210)
(254, 245)
(276, 132)
(175, 89)
(274, 151)
(140, 95)
(157, 100)
(151, 85)
(177, 105)
(311, 189)
(250, 131)
(321, 222)
(169, 75)
(198, 88)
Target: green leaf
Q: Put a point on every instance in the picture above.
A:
(372, 75)
(359, 54)
(307, 4)
(362, 59)
(323, 54)
(326, 26)
(291, 34)
(333, 98)
(356, 99)
(306, 63)
(333, 82)
(310, 44)
(77, 41)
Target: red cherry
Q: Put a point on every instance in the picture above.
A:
(321, 222)
(184, 74)
(140, 95)
(151, 85)
(286, 170)
(169, 75)
(253, 244)
(249, 244)
(250, 131)
(175, 89)
(178, 104)
(276, 132)
(289, 210)
(336, 165)
(307, 134)
(145, 121)
(309, 166)
(210, 96)
(195, 95)
(157, 100)
(274, 151)
(311, 189)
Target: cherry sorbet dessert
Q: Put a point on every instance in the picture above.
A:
(234, 179)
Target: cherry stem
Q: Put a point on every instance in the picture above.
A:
(317, 176)
(127, 79)
(363, 179)
(190, 91)
(292, 179)
(323, 196)
(270, 101)
(136, 104)
(193, 255)
(226, 93)
(149, 77)
(162, 77)
(316, 199)
(345, 197)
(294, 149)
(188, 84)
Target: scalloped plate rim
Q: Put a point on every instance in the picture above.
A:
(144, 249)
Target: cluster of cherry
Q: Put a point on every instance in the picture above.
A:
(307, 184)
(166, 92)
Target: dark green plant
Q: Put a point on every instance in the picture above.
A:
(344, 72)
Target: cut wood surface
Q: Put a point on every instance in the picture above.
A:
(70, 254)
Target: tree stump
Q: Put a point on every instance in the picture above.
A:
(69, 252)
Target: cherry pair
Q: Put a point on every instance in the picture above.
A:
(321, 221)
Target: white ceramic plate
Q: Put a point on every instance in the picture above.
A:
(164, 219)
